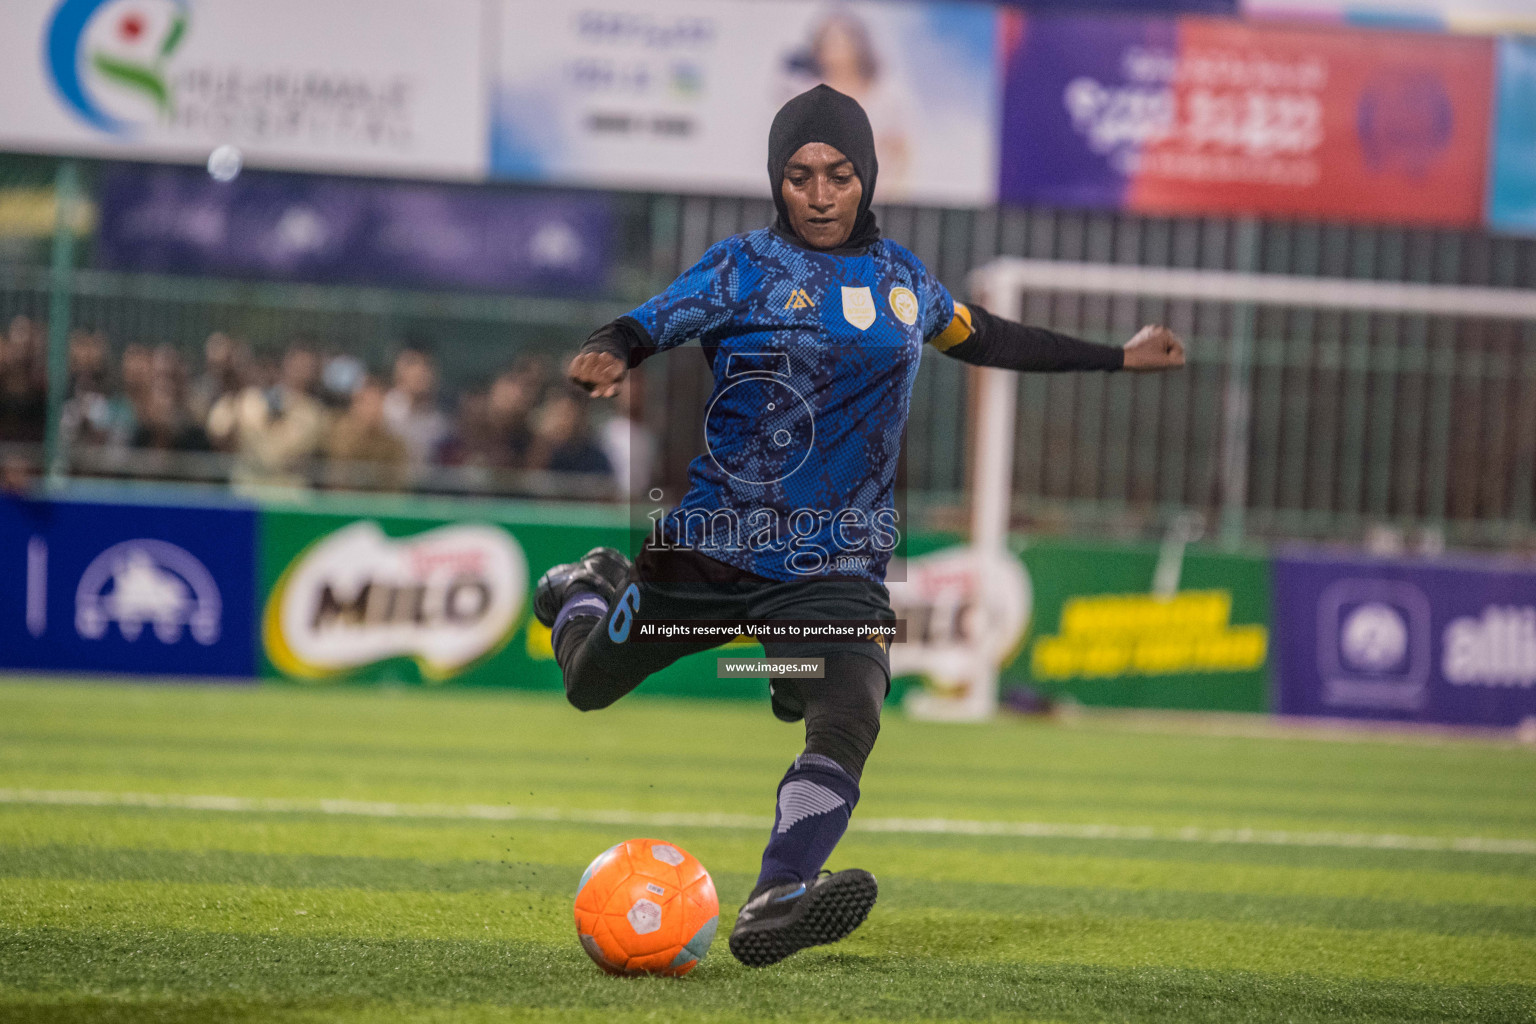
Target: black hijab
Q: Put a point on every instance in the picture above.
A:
(825, 115)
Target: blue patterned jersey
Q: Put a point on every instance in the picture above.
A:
(814, 356)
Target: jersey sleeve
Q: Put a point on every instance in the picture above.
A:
(945, 322)
(702, 303)
(938, 305)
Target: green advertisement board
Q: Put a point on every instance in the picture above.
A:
(432, 594)
(1101, 633)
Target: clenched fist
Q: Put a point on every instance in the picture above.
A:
(598, 373)
(1154, 348)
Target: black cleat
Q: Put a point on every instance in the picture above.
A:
(601, 571)
(790, 917)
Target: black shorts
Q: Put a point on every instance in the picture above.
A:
(672, 585)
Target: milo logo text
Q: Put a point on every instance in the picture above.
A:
(445, 598)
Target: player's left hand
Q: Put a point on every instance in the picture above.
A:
(1154, 347)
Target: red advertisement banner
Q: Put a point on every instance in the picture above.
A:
(1204, 115)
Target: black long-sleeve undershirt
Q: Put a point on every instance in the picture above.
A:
(993, 342)
(1013, 346)
(623, 338)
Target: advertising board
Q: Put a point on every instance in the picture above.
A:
(1397, 640)
(1484, 17)
(431, 599)
(176, 79)
(137, 589)
(1512, 170)
(315, 596)
(677, 95)
(1206, 116)
(1103, 634)
(166, 219)
(967, 613)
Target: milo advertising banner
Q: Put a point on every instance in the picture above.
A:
(446, 599)
(431, 599)
(1140, 626)
(966, 613)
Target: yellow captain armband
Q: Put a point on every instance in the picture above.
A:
(958, 330)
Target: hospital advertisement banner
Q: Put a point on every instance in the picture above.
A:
(142, 590)
(1204, 116)
(678, 95)
(1408, 641)
(173, 80)
(1512, 171)
(1145, 626)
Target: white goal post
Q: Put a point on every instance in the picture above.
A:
(1003, 286)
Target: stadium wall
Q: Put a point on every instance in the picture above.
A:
(341, 591)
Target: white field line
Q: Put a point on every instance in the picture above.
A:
(683, 819)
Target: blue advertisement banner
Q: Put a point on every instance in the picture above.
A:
(1448, 643)
(1512, 171)
(146, 590)
(1475, 17)
(291, 227)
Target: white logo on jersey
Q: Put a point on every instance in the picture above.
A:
(859, 307)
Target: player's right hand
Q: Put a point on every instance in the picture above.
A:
(597, 373)
(1154, 347)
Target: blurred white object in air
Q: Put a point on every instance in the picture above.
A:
(224, 163)
(556, 245)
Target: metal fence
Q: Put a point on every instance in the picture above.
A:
(1310, 406)
(1359, 422)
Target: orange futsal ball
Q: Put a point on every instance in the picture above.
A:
(646, 907)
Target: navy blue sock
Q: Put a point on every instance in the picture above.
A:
(816, 799)
(581, 605)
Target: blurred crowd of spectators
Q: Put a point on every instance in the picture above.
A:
(308, 417)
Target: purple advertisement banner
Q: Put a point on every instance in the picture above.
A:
(291, 227)
(1396, 640)
(1047, 155)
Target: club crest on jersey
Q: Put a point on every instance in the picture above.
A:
(904, 305)
(859, 307)
(798, 299)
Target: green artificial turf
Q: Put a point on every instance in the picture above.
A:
(392, 912)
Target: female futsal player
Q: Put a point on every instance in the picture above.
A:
(813, 329)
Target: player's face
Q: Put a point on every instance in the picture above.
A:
(822, 194)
